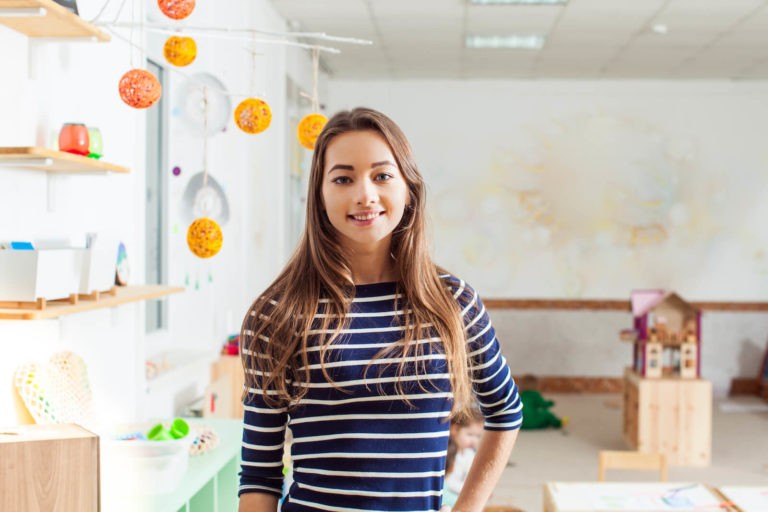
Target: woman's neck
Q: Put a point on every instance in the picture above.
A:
(372, 266)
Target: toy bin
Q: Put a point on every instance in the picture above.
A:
(49, 274)
(132, 467)
(98, 272)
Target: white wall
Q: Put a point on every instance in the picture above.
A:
(43, 86)
(47, 84)
(472, 139)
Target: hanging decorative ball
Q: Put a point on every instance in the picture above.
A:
(176, 9)
(309, 129)
(180, 51)
(253, 115)
(204, 237)
(139, 88)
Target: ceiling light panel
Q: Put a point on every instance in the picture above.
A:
(517, 2)
(515, 41)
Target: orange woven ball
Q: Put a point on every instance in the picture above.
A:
(180, 51)
(309, 129)
(253, 115)
(204, 237)
(176, 9)
(139, 88)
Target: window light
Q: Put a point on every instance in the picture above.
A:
(526, 42)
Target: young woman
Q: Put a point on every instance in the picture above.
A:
(366, 349)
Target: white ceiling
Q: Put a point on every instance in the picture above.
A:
(589, 39)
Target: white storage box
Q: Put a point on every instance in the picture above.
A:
(49, 274)
(98, 273)
(139, 468)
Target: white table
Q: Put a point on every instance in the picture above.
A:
(629, 497)
(746, 498)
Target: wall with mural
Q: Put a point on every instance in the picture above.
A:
(588, 190)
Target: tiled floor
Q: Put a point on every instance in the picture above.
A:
(739, 448)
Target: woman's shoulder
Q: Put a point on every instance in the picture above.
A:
(461, 290)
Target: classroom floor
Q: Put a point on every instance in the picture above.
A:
(739, 448)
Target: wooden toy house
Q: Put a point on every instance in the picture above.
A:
(666, 335)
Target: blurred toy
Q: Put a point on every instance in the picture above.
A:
(664, 322)
(178, 429)
(536, 413)
(206, 439)
(232, 346)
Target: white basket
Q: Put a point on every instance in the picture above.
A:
(98, 272)
(49, 274)
(140, 468)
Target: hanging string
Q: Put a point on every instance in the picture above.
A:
(315, 72)
(205, 137)
(253, 64)
(130, 36)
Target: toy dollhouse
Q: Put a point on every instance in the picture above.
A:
(666, 335)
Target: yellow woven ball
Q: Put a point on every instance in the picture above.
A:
(253, 115)
(309, 129)
(204, 237)
(180, 51)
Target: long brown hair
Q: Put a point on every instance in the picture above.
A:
(276, 328)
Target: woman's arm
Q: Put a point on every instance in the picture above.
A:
(490, 460)
(257, 502)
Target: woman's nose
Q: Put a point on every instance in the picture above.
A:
(366, 193)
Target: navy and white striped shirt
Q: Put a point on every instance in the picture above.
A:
(362, 447)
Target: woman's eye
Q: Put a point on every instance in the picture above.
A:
(341, 180)
(383, 177)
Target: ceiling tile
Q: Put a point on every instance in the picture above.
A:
(705, 37)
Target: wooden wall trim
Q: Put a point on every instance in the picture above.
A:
(611, 305)
(567, 384)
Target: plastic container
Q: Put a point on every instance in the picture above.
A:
(50, 274)
(139, 467)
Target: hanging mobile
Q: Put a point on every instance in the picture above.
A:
(204, 236)
(311, 125)
(253, 115)
(139, 88)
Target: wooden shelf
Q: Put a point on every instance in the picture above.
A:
(44, 159)
(612, 305)
(123, 296)
(56, 21)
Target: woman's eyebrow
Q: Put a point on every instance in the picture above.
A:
(346, 167)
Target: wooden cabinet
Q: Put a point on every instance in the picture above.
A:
(224, 395)
(49, 467)
(669, 416)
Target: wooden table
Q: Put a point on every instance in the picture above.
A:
(746, 498)
(629, 497)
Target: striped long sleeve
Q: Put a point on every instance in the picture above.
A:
(357, 445)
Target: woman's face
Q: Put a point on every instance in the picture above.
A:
(364, 193)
